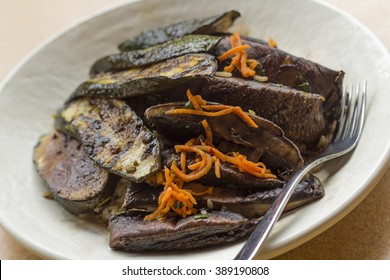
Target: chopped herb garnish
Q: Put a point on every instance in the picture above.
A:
(103, 202)
(303, 84)
(189, 105)
(201, 216)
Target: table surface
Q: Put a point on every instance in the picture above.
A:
(363, 234)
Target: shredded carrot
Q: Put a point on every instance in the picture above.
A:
(245, 70)
(196, 174)
(253, 63)
(200, 100)
(207, 191)
(237, 38)
(233, 41)
(240, 161)
(235, 63)
(245, 117)
(175, 197)
(159, 178)
(209, 134)
(212, 151)
(171, 198)
(216, 107)
(200, 113)
(217, 167)
(190, 142)
(234, 50)
(193, 100)
(168, 177)
(272, 43)
(250, 167)
(193, 149)
(235, 110)
(194, 166)
(183, 159)
(240, 59)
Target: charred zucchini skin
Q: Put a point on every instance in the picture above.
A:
(113, 136)
(74, 180)
(156, 77)
(138, 58)
(218, 23)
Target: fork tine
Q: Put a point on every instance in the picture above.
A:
(353, 102)
(346, 111)
(355, 112)
(362, 110)
(349, 113)
(342, 113)
(351, 124)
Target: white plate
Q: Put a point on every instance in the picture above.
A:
(33, 92)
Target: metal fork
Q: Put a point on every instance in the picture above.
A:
(350, 126)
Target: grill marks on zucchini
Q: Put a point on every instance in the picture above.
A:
(113, 136)
(110, 138)
(75, 181)
(218, 23)
(137, 58)
(156, 77)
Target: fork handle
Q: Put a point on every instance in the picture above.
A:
(253, 244)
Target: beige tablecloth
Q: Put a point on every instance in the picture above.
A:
(362, 234)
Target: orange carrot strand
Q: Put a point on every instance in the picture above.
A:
(232, 51)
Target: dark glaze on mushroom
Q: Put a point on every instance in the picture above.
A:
(268, 138)
(230, 176)
(250, 203)
(129, 231)
(301, 115)
(286, 69)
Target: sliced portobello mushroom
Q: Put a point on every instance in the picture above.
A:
(156, 77)
(210, 25)
(74, 180)
(112, 135)
(267, 138)
(301, 115)
(129, 231)
(283, 68)
(141, 196)
(249, 203)
(143, 57)
(254, 204)
(230, 176)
